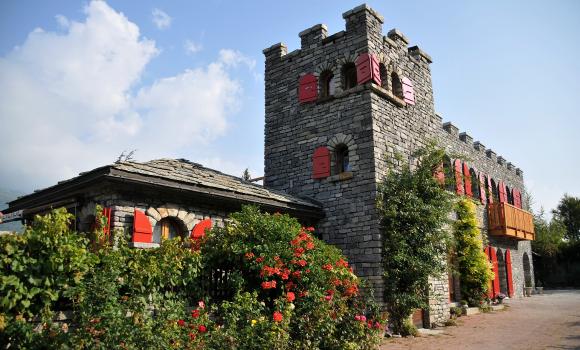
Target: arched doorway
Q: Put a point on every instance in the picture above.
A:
(527, 271)
(503, 283)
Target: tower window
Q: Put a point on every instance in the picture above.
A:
(348, 76)
(342, 163)
(384, 76)
(326, 84)
(396, 85)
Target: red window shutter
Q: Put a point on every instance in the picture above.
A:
(308, 88)
(490, 287)
(508, 270)
(321, 163)
(517, 195)
(367, 68)
(458, 177)
(467, 180)
(490, 190)
(142, 231)
(198, 230)
(107, 214)
(440, 175)
(495, 272)
(482, 196)
(408, 91)
(502, 192)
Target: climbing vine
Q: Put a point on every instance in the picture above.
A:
(414, 209)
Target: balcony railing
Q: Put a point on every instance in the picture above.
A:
(506, 220)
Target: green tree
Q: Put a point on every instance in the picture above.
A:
(246, 175)
(414, 210)
(568, 212)
(549, 235)
(473, 266)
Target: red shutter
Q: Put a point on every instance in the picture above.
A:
(198, 230)
(502, 192)
(408, 91)
(490, 190)
(495, 272)
(482, 196)
(517, 195)
(321, 163)
(107, 228)
(490, 287)
(440, 175)
(467, 180)
(308, 88)
(142, 231)
(367, 68)
(508, 269)
(458, 177)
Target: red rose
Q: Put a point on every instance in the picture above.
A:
(290, 296)
(192, 336)
(302, 262)
(277, 316)
(202, 328)
(195, 313)
(249, 255)
(260, 259)
(310, 245)
(181, 323)
(327, 267)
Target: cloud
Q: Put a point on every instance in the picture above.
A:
(161, 19)
(71, 101)
(191, 47)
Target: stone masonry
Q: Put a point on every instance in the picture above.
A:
(375, 124)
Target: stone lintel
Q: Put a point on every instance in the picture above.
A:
(416, 52)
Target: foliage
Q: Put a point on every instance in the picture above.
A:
(246, 175)
(414, 209)
(549, 235)
(472, 263)
(568, 213)
(456, 311)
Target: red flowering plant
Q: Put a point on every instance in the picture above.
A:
(306, 287)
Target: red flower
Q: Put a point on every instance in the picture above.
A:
(303, 293)
(290, 296)
(277, 316)
(302, 262)
(311, 229)
(192, 336)
(195, 313)
(202, 328)
(260, 259)
(328, 297)
(296, 274)
(310, 245)
(181, 323)
(341, 263)
(249, 255)
(327, 267)
(269, 285)
(298, 252)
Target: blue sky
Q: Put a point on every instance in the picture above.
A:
(84, 81)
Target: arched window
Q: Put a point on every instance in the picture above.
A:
(348, 76)
(341, 163)
(510, 198)
(527, 271)
(448, 171)
(396, 85)
(494, 191)
(384, 76)
(167, 228)
(474, 184)
(326, 84)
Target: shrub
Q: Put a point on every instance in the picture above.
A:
(474, 268)
(414, 208)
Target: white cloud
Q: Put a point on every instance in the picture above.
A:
(62, 21)
(191, 47)
(69, 103)
(161, 19)
(234, 58)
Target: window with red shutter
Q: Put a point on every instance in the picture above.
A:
(367, 68)
(467, 180)
(492, 190)
(502, 192)
(440, 175)
(458, 177)
(321, 163)
(495, 268)
(482, 192)
(408, 91)
(308, 88)
(396, 85)
(490, 287)
(142, 231)
(508, 270)
(200, 228)
(349, 76)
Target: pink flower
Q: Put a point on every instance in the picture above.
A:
(201, 304)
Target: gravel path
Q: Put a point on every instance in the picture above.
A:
(549, 321)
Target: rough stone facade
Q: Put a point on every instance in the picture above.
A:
(375, 124)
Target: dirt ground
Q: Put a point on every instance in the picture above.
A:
(548, 321)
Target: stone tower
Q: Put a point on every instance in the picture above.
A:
(334, 109)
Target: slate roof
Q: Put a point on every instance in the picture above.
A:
(184, 171)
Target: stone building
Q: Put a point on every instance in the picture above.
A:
(336, 110)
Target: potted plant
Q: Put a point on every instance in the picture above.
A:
(500, 297)
(527, 291)
(539, 287)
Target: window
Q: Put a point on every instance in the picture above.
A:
(167, 228)
(326, 84)
(342, 163)
(384, 76)
(474, 183)
(494, 191)
(396, 85)
(509, 197)
(348, 76)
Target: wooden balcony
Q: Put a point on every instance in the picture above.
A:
(506, 220)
